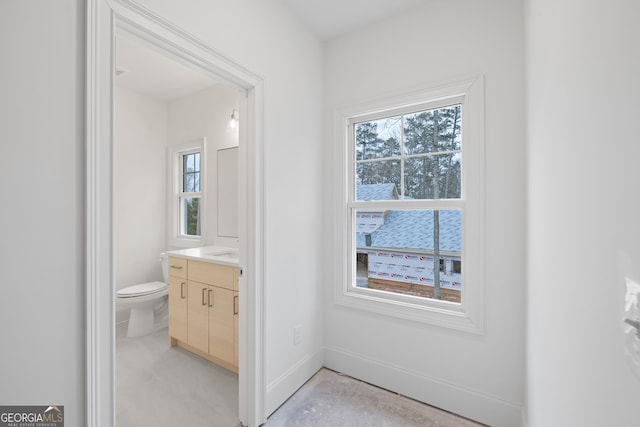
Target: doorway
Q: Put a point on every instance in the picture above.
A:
(104, 18)
(159, 103)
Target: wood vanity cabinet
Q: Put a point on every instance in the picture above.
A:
(211, 312)
(178, 298)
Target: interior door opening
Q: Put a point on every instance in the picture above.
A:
(159, 104)
(172, 41)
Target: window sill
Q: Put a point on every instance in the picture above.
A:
(186, 242)
(423, 310)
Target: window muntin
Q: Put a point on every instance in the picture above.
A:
(412, 157)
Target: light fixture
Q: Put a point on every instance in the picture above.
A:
(234, 118)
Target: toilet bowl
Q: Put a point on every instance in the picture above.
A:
(143, 300)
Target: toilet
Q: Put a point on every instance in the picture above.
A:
(143, 300)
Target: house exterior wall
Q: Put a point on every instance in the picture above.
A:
(480, 377)
(411, 267)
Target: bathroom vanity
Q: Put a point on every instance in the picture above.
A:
(203, 303)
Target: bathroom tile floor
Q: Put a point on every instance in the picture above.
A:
(158, 385)
(161, 386)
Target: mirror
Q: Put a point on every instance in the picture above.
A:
(228, 192)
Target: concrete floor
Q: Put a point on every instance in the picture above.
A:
(161, 386)
(333, 399)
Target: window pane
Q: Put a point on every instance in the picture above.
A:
(189, 165)
(196, 162)
(191, 216)
(191, 173)
(377, 139)
(433, 177)
(384, 173)
(433, 131)
(196, 182)
(396, 250)
(187, 183)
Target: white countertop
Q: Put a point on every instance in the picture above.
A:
(215, 254)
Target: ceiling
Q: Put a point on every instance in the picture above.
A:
(145, 71)
(332, 18)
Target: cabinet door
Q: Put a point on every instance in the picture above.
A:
(221, 323)
(198, 315)
(178, 308)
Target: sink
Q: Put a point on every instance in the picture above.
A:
(224, 254)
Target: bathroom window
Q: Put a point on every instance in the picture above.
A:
(190, 195)
(187, 171)
(411, 207)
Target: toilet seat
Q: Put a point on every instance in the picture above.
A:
(141, 290)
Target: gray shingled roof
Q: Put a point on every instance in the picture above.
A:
(376, 192)
(409, 229)
(413, 229)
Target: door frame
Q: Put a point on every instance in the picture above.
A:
(104, 19)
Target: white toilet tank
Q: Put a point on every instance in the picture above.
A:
(164, 261)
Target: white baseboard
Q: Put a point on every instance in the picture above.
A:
(478, 406)
(280, 389)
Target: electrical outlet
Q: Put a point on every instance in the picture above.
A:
(297, 334)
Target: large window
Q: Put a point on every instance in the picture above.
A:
(409, 156)
(413, 215)
(186, 218)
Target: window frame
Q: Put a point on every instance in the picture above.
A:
(176, 153)
(468, 314)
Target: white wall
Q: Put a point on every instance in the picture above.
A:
(41, 178)
(266, 38)
(139, 187)
(479, 376)
(207, 113)
(583, 152)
